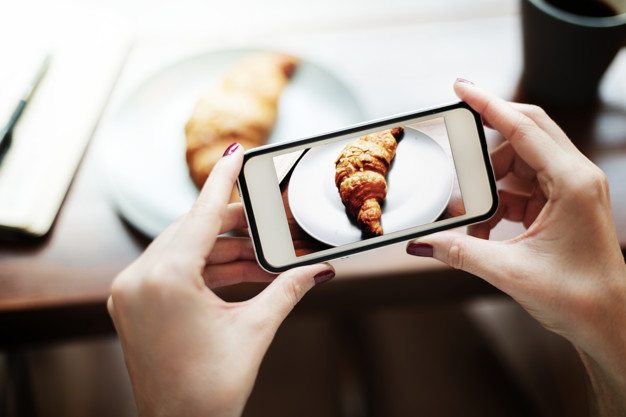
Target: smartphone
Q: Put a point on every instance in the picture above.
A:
(343, 192)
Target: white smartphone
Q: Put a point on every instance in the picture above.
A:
(365, 186)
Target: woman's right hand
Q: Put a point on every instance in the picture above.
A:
(567, 268)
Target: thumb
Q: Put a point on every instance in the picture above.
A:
(483, 258)
(277, 300)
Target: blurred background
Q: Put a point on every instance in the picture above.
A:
(416, 340)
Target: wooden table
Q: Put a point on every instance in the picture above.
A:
(57, 287)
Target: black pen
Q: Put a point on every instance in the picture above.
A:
(5, 133)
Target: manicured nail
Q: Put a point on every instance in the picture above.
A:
(463, 80)
(324, 276)
(232, 148)
(420, 249)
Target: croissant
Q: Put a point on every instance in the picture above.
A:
(360, 172)
(242, 108)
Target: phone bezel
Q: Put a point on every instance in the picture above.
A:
(244, 190)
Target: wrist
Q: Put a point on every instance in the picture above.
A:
(606, 387)
(603, 349)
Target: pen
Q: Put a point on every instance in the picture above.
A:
(5, 133)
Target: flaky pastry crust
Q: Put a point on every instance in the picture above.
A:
(242, 108)
(360, 172)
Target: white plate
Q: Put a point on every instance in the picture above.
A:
(143, 151)
(419, 186)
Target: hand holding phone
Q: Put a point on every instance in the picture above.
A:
(365, 186)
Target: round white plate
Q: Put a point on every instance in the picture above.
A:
(419, 186)
(143, 151)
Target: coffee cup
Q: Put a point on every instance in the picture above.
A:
(567, 47)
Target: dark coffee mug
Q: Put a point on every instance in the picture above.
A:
(567, 46)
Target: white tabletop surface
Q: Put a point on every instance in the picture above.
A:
(380, 50)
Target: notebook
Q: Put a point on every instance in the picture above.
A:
(50, 137)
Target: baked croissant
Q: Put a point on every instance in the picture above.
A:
(242, 108)
(360, 172)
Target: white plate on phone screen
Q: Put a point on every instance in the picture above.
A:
(419, 186)
(143, 151)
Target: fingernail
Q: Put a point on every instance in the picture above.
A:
(232, 148)
(463, 80)
(324, 276)
(420, 249)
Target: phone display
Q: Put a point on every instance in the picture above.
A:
(369, 185)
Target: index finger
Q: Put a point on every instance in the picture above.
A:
(533, 144)
(201, 225)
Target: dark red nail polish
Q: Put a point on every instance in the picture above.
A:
(324, 276)
(463, 80)
(232, 148)
(420, 249)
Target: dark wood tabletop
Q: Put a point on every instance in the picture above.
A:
(57, 287)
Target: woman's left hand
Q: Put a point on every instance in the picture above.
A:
(188, 352)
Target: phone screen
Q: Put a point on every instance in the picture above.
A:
(361, 187)
(366, 186)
